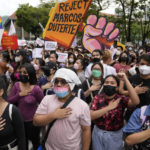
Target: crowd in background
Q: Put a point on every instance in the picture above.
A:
(111, 89)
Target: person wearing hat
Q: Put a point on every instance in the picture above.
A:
(45, 83)
(71, 131)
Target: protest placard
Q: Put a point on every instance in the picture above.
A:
(37, 53)
(62, 57)
(40, 42)
(9, 42)
(65, 19)
(50, 45)
(22, 42)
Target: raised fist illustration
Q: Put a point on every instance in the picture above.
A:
(99, 34)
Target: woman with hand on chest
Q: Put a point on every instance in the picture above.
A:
(27, 95)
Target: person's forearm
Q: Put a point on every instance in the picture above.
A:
(86, 139)
(87, 93)
(132, 93)
(138, 137)
(99, 113)
(42, 120)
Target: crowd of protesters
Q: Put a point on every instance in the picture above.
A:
(109, 109)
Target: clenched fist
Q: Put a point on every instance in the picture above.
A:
(98, 33)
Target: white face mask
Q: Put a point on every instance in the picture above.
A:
(71, 60)
(118, 52)
(132, 71)
(46, 60)
(17, 59)
(0, 59)
(144, 70)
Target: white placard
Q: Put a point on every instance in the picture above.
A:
(22, 42)
(36, 53)
(50, 45)
(40, 42)
(62, 57)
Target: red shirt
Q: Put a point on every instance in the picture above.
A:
(112, 120)
(120, 67)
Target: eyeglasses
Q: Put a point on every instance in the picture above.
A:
(62, 82)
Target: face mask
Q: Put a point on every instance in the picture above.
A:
(123, 59)
(144, 69)
(46, 60)
(118, 53)
(94, 60)
(76, 67)
(61, 92)
(30, 57)
(132, 71)
(24, 78)
(130, 48)
(71, 60)
(0, 60)
(17, 76)
(109, 90)
(36, 67)
(17, 59)
(96, 73)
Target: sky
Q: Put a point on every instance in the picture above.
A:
(8, 7)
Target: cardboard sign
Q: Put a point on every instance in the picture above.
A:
(64, 21)
(62, 57)
(49, 45)
(9, 42)
(36, 53)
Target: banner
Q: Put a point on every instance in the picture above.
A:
(49, 45)
(65, 19)
(62, 57)
(9, 42)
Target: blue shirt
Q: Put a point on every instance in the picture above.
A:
(135, 123)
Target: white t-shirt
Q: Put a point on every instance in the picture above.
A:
(66, 133)
(108, 70)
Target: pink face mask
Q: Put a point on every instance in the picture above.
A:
(36, 67)
(76, 67)
(17, 76)
(61, 92)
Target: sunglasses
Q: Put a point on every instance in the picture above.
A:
(62, 82)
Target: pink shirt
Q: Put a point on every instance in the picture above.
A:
(66, 133)
(120, 67)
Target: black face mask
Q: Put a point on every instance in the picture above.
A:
(124, 59)
(95, 60)
(24, 78)
(109, 90)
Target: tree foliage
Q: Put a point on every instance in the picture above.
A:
(29, 17)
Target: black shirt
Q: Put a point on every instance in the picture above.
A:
(13, 129)
(145, 97)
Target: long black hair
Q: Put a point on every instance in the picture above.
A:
(3, 85)
(31, 72)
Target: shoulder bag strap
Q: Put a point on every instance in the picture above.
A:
(52, 123)
(10, 111)
(88, 84)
